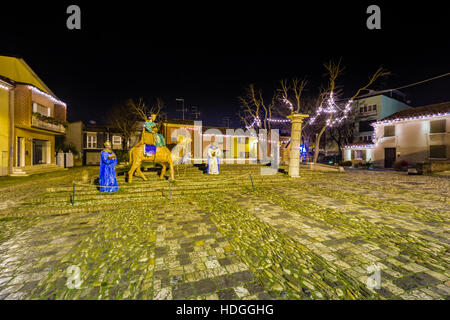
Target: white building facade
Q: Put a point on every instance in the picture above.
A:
(416, 135)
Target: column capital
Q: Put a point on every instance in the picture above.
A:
(296, 117)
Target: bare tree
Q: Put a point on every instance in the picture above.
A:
(335, 69)
(290, 100)
(255, 110)
(142, 111)
(125, 121)
(127, 115)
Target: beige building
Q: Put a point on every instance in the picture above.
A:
(30, 118)
(416, 135)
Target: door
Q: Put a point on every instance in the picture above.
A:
(39, 151)
(389, 157)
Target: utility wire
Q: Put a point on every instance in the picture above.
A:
(403, 87)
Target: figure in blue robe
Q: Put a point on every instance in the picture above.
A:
(107, 176)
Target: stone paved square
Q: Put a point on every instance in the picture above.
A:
(315, 237)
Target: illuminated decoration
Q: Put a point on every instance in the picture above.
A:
(332, 108)
(303, 150)
(411, 118)
(53, 99)
(291, 106)
(223, 159)
(4, 87)
(367, 146)
(256, 121)
(279, 120)
(228, 136)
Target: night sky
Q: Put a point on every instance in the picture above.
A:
(208, 52)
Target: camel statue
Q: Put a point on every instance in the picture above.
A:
(163, 156)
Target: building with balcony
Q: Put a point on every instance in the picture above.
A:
(372, 107)
(415, 135)
(33, 116)
(369, 109)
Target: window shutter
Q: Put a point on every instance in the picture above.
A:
(438, 126)
(84, 140)
(100, 139)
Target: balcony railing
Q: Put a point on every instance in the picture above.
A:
(38, 123)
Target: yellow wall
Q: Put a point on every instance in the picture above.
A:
(29, 136)
(4, 131)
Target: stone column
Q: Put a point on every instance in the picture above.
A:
(294, 155)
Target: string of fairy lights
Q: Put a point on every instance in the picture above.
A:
(332, 108)
(4, 87)
(251, 135)
(48, 96)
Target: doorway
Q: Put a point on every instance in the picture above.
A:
(390, 156)
(20, 152)
(40, 151)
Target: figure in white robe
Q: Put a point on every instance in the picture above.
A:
(214, 154)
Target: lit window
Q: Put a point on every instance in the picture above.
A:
(389, 131)
(117, 140)
(38, 108)
(91, 142)
(438, 152)
(437, 126)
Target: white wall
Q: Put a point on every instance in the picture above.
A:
(412, 141)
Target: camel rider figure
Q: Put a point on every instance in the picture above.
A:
(154, 139)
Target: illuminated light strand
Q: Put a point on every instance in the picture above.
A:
(291, 106)
(255, 121)
(367, 146)
(4, 87)
(38, 91)
(411, 118)
(333, 109)
(230, 136)
(224, 159)
(279, 120)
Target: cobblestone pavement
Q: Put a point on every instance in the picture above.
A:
(204, 237)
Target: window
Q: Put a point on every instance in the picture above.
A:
(361, 110)
(365, 108)
(389, 131)
(369, 108)
(374, 107)
(358, 155)
(438, 152)
(437, 126)
(91, 142)
(117, 140)
(38, 108)
(365, 126)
